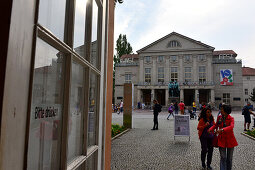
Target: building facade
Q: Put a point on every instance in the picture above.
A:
(54, 90)
(178, 68)
(248, 84)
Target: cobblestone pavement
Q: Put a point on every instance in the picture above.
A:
(142, 149)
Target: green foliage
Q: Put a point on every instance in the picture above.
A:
(252, 96)
(251, 133)
(117, 129)
(122, 47)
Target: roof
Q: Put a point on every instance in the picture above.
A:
(247, 71)
(129, 56)
(175, 33)
(218, 52)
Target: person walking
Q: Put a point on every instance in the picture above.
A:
(247, 111)
(156, 110)
(226, 137)
(176, 109)
(170, 111)
(206, 121)
(194, 107)
(121, 106)
(182, 106)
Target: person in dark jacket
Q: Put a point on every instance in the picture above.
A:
(156, 110)
(206, 121)
(176, 109)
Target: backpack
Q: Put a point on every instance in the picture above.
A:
(245, 110)
(159, 108)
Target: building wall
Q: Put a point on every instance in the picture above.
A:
(236, 91)
(180, 64)
(120, 80)
(248, 83)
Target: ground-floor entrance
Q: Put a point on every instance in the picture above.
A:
(189, 96)
(146, 97)
(160, 96)
(204, 96)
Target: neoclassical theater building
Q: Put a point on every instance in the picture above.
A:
(178, 68)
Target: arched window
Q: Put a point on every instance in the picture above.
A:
(174, 43)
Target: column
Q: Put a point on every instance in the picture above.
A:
(209, 71)
(213, 97)
(152, 96)
(141, 70)
(181, 69)
(139, 95)
(197, 97)
(195, 68)
(167, 96)
(154, 70)
(167, 70)
(182, 95)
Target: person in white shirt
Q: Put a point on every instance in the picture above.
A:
(121, 106)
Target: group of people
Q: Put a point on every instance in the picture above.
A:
(118, 107)
(174, 109)
(217, 134)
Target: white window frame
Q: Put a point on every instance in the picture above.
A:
(226, 98)
(174, 74)
(187, 74)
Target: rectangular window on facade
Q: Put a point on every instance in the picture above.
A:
(246, 91)
(246, 100)
(173, 58)
(226, 98)
(161, 74)
(187, 74)
(187, 58)
(160, 58)
(174, 74)
(147, 75)
(248, 78)
(128, 78)
(201, 74)
(147, 59)
(201, 57)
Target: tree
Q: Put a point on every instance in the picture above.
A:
(122, 47)
(252, 96)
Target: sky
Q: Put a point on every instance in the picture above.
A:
(223, 24)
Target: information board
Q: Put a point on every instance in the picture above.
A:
(181, 125)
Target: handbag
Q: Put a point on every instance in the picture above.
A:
(215, 141)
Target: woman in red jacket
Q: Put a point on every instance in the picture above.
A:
(205, 122)
(226, 138)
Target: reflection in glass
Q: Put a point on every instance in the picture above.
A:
(79, 27)
(52, 16)
(90, 163)
(75, 130)
(94, 40)
(92, 116)
(46, 108)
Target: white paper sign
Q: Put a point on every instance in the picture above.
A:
(181, 125)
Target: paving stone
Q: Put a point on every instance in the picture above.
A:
(144, 149)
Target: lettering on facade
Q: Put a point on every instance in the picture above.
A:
(41, 112)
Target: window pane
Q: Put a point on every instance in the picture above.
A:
(52, 16)
(79, 27)
(46, 108)
(76, 113)
(92, 116)
(94, 42)
(90, 163)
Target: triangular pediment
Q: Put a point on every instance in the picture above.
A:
(175, 42)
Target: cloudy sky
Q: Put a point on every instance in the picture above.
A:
(223, 24)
